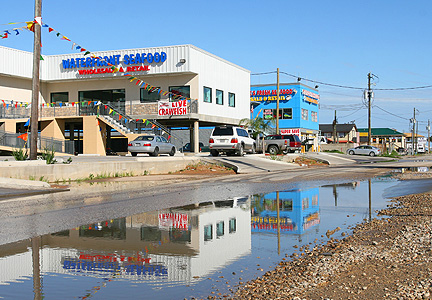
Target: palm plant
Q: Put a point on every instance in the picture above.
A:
(258, 125)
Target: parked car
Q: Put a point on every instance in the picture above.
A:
(187, 147)
(231, 140)
(364, 150)
(277, 143)
(402, 151)
(151, 144)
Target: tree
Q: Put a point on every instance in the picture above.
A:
(258, 125)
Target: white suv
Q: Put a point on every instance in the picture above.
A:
(231, 140)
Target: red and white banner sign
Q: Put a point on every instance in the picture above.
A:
(178, 108)
(173, 220)
(295, 131)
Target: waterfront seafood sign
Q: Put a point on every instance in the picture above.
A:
(178, 108)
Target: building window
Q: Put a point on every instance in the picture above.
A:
(208, 233)
(341, 134)
(115, 98)
(232, 225)
(314, 116)
(231, 99)
(182, 91)
(305, 114)
(220, 230)
(207, 94)
(287, 113)
(147, 96)
(305, 203)
(219, 97)
(284, 113)
(59, 97)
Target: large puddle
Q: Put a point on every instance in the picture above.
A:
(184, 252)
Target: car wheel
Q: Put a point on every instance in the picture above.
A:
(155, 152)
(351, 152)
(214, 152)
(273, 150)
(134, 153)
(240, 151)
(371, 154)
(172, 152)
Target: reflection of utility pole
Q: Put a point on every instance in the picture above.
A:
(370, 200)
(35, 81)
(277, 103)
(278, 220)
(37, 285)
(335, 194)
(428, 129)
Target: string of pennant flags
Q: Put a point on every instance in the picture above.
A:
(76, 46)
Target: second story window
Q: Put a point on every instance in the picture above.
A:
(219, 97)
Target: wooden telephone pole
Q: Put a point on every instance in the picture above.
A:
(277, 103)
(369, 93)
(35, 82)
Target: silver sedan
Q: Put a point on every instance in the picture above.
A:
(364, 150)
(151, 144)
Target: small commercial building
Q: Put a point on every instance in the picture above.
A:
(104, 99)
(298, 109)
(345, 133)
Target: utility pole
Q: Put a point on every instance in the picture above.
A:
(334, 129)
(412, 134)
(277, 103)
(428, 129)
(34, 120)
(369, 92)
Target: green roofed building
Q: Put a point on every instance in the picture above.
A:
(387, 137)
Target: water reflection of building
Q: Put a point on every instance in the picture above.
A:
(298, 211)
(175, 245)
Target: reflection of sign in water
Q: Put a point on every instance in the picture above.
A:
(100, 263)
(111, 267)
(270, 223)
(173, 220)
(311, 220)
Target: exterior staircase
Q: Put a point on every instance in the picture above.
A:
(115, 124)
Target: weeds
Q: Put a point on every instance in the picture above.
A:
(68, 161)
(48, 155)
(275, 157)
(20, 154)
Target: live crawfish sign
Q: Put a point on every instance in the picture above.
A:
(178, 108)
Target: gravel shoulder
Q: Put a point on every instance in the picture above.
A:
(387, 258)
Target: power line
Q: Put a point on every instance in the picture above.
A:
(390, 113)
(346, 86)
(323, 83)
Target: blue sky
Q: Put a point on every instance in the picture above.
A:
(336, 42)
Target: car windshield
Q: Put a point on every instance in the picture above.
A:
(223, 131)
(145, 138)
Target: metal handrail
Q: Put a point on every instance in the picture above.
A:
(12, 140)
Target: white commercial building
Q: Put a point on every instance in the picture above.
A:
(83, 97)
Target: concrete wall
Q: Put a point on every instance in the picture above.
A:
(140, 166)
